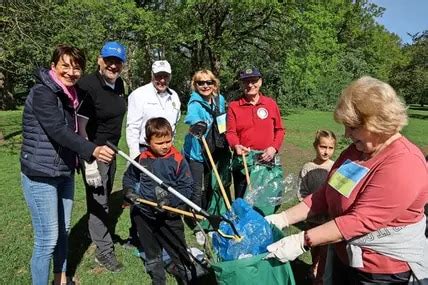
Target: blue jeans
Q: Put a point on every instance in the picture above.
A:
(50, 200)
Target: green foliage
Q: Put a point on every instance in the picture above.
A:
(411, 77)
(307, 50)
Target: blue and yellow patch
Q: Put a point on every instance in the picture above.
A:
(347, 177)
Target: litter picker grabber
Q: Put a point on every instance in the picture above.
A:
(171, 209)
(214, 220)
(198, 130)
(247, 174)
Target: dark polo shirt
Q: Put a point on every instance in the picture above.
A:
(103, 106)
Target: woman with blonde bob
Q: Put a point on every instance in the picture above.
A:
(207, 105)
(374, 194)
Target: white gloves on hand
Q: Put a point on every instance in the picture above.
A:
(279, 220)
(288, 248)
(92, 175)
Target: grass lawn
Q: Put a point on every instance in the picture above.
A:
(15, 224)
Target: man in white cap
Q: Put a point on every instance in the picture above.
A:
(154, 99)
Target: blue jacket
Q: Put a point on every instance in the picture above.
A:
(50, 144)
(172, 169)
(192, 148)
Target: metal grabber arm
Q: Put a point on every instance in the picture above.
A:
(214, 220)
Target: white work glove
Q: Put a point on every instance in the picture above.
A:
(288, 248)
(279, 220)
(92, 175)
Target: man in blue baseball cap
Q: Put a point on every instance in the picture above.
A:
(100, 119)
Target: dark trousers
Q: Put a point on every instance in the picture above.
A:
(344, 274)
(157, 233)
(202, 190)
(133, 234)
(97, 201)
(239, 183)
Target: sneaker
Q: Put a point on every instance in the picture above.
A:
(109, 261)
(68, 282)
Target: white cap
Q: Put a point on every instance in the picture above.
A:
(161, 66)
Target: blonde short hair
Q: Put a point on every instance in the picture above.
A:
(197, 76)
(372, 104)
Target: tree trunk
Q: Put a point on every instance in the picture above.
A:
(7, 101)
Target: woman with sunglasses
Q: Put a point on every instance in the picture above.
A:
(208, 105)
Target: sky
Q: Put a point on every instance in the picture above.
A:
(404, 16)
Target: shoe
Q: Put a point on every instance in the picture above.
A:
(109, 261)
(69, 282)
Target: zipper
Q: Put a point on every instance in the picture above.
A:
(57, 157)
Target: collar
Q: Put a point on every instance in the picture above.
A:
(261, 101)
(167, 91)
(104, 82)
(149, 154)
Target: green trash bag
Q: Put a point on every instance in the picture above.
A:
(254, 270)
(216, 205)
(267, 183)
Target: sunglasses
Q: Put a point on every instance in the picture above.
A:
(207, 82)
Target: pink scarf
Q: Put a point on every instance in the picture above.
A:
(71, 94)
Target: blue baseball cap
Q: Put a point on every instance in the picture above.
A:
(114, 49)
(249, 72)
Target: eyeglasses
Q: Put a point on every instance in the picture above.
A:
(207, 82)
(74, 69)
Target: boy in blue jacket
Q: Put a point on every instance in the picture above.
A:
(158, 229)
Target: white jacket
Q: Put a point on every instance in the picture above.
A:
(145, 103)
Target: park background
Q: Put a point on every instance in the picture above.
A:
(307, 51)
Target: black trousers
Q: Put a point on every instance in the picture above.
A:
(97, 201)
(344, 274)
(157, 233)
(239, 183)
(202, 190)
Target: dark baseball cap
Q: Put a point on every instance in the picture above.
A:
(249, 72)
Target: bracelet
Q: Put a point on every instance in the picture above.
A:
(306, 241)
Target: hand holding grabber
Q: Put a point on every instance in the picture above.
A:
(133, 198)
(212, 219)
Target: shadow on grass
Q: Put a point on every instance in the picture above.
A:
(80, 240)
(419, 107)
(418, 116)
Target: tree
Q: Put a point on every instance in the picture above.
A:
(411, 78)
(24, 45)
(306, 50)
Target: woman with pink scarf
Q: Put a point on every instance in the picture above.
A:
(49, 153)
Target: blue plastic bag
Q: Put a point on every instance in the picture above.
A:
(255, 231)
